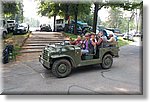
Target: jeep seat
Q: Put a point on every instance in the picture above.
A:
(89, 56)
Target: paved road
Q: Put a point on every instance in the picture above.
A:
(125, 77)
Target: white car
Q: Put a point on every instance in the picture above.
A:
(128, 37)
(3, 28)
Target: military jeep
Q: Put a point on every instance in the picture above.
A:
(60, 58)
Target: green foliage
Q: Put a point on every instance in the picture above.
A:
(126, 5)
(11, 9)
(116, 20)
(115, 17)
(87, 18)
(49, 9)
(72, 36)
(122, 42)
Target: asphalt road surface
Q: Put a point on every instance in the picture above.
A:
(125, 77)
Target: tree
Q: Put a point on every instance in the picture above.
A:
(76, 10)
(12, 9)
(87, 18)
(49, 9)
(134, 4)
(115, 18)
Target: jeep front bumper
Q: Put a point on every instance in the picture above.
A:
(44, 62)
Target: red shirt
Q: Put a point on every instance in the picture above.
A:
(76, 42)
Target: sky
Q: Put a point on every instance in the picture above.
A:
(30, 11)
(31, 8)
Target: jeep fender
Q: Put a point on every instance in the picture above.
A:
(71, 60)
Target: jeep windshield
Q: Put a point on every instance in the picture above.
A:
(65, 42)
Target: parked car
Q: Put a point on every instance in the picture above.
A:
(99, 28)
(71, 29)
(86, 29)
(3, 28)
(80, 27)
(45, 27)
(11, 25)
(60, 25)
(137, 34)
(22, 28)
(116, 31)
(128, 37)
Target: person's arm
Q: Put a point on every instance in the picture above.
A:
(73, 42)
(99, 41)
(110, 40)
(93, 43)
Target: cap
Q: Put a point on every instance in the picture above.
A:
(87, 35)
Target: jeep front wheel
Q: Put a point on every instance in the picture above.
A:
(107, 61)
(61, 68)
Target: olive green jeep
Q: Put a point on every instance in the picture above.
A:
(62, 57)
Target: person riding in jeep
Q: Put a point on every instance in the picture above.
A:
(87, 45)
(94, 41)
(78, 41)
(112, 40)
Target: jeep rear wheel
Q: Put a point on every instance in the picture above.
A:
(107, 61)
(61, 68)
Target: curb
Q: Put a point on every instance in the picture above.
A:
(25, 40)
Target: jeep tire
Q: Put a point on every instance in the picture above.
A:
(107, 61)
(61, 68)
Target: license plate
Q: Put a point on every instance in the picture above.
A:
(18, 31)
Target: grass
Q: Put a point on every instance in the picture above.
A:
(72, 36)
(16, 41)
(122, 42)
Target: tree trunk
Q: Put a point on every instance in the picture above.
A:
(66, 18)
(76, 18)
(95, 16)
(54, 22)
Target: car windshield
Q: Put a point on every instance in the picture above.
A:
(10, 21)
(59, 21)
(21, 26)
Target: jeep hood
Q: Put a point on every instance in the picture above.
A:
(53, 47)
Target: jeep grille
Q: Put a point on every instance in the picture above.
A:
(45, 55)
